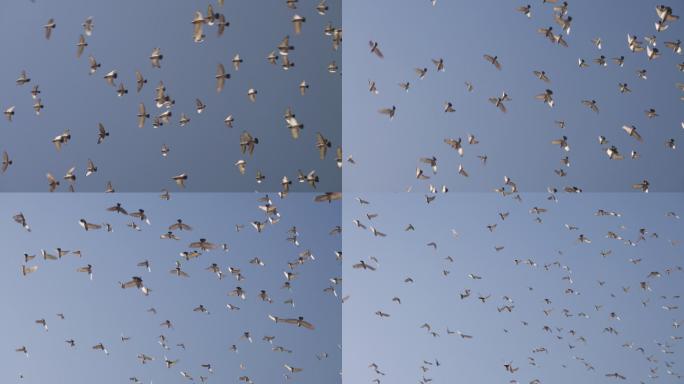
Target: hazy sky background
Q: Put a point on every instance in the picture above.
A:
(398, 344)
(100, 311)
(411, 33)
(124, 35)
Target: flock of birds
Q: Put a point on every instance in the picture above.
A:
(642, 132)
(568, 329)
(282, 328)
(528, 297)
(161, 110)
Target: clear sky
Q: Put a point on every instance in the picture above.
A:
(100, 311)
(517, 143)
(398, 344)
(124, 35)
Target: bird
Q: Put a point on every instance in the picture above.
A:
(499, 101)
(390, 112)
(80, 46)
(322, 144)
(303, 87)
(632, 131)
(203, 244)
(100, 347)
(591, 104)
(299, 321)
(541, 75)
(525, 10)
(494, 60)
(294, 126)
(156, 57)
(363, 265)
(87, 269)
(48, 27)
(88, 226)
(23, 78)
(297, 22)
(375, 49)
(9, 113)
(111, 76)
(181, 179)
(642, 186)
(6, 162)
(546, 97)
(328, 197)
(248, 143)
(221, 76)
(142, 115)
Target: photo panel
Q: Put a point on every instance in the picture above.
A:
(525, 289)
(200, 288)
(466, 95)
(130, 96)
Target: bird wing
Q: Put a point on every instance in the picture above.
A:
(220, 77)
(322, 145)
(142, 115)
(81, 46)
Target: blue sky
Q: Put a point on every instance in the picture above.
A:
(124, 36)
(398, 344)
(517, 143)
(100, 311)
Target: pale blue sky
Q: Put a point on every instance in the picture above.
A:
(517, 143)
(124, 35)
(99, 310)
(398, 344)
